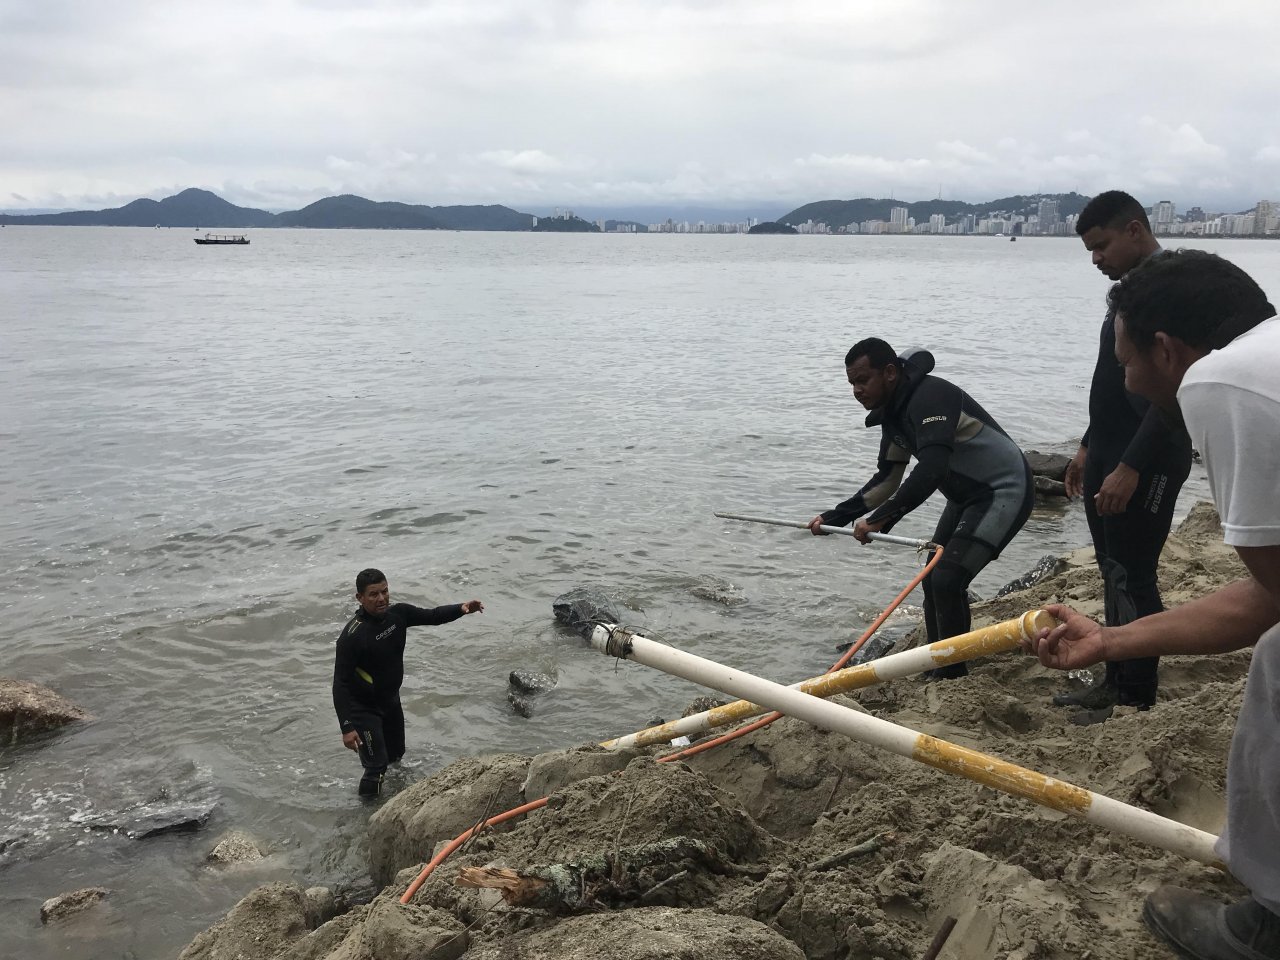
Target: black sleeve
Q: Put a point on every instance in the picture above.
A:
(344, 671)
(933, 413)
(429, 616)
(889, 469)
(1153, 435)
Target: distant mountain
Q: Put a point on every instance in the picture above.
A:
(349, 212)
(491, 217)
(200, 208)
(839, 213)
(190, 208)
(770, 226)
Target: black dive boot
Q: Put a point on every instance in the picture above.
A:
(1201, 928)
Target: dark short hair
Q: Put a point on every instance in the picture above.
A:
(1198, 297)
(878, 353)
(366, 578)
(1114, 208)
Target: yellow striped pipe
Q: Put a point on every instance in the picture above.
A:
(979, 767)
(967, 646)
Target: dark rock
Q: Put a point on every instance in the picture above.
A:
(527, 682)
(1046, 566)
(29, 708)
(718, 591)
(61, 907)
(1050, 465)
(873, 649)
(154, 819)
(349, 894)
(1049, 488)
(525, 685)
(584, 607)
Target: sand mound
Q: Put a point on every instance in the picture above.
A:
(830, 849)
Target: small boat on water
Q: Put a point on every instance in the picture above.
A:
(223, 239)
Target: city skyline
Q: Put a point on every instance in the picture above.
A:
(586, 104)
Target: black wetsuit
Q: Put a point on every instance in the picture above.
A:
(964, 453)
(1125, 428)
(367, 673)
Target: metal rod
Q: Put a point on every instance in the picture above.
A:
(940, 939)
(827, 528)
(948, 757)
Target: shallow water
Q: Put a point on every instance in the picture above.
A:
(203, 445)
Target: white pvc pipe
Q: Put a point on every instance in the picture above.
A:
(984, 641)
(827, 528)
(980, 767)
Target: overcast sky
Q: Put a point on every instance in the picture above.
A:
(538, 103)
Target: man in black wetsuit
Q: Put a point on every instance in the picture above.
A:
(369, 669)
(960, 450)
(1130, 466)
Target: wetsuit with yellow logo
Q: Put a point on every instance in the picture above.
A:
(367, 674)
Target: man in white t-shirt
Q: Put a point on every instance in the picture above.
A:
(1198, 338)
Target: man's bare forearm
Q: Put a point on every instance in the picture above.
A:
(1231, 618)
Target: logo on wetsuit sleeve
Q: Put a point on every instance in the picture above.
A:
(937, 419)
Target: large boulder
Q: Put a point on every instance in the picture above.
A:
(384, 930)
(406, 830)
(27, 708)
(263, 923)
(653, 933)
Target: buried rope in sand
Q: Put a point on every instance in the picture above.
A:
(982, 768)
(985, 641)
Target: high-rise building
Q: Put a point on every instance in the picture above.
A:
(937, 221)
(898, 220)
(1048, 212)
(1264, 217)
(1162, 216)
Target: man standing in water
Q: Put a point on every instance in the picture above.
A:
(960, 450)
(1193, 335)
(369, 669)
(1129, 468)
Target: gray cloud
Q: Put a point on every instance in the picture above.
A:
(543, 103)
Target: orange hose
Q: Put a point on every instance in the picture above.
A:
(764, 721)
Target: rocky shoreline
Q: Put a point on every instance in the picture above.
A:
(792, 842)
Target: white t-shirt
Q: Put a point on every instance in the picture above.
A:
(1230, 400)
